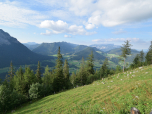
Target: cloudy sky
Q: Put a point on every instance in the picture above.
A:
(79, 21)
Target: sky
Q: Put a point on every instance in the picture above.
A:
(84, 22)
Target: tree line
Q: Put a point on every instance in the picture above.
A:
(23, 86)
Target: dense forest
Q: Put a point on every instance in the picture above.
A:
(22, 86)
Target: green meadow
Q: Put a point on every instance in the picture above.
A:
(113, 95)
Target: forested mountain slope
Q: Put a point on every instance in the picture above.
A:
(12, 50)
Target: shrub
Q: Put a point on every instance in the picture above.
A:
(35, 91)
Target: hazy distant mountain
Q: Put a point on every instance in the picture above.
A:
(105, 47)
(31, 45)
(12, 50)
(52, 48)
(118, 51)
(87, 51)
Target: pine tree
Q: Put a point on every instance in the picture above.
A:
(18, 81)
(136, 60)
(82, 73)
(90, 64)
(72, 78)
(149, 55)
(141, 56)
(58, 82)
(66, 74)
(104, 69)
(29, 78)
(47, 76)
(11, 71)
(126, 50)
(38, 73)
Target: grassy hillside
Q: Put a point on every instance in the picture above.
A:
(116, 94)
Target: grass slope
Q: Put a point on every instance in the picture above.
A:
(116, 94)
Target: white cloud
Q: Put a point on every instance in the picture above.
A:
(90, 26)
(67, 36)
(47, 33)
(116, 40)
(62, 27)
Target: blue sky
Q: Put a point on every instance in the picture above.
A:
(79, 21)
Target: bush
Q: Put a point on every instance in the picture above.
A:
(9, 99)
(36, 91)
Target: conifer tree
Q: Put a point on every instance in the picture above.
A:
(66, 74)
(83, 73)
(47, 76)
(149, 55)
(72, 78)
(126, 50)
(11, 71)
(90, 64)
(29, 78)
(141, 56)
(58, 82)
(136, 60)
(19, 83)
(38, 73)
(104, 68)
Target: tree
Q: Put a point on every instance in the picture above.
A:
(66, 74)
(104, 69)
(72, 78)
(38, 73)
(126, 50)
(58, 82)
(18, 81)
(136, 60)
(29, 78)
(11, 71)
(83, 73)
(149, 55)
(90, 64)
(47, 76)
(141, 56)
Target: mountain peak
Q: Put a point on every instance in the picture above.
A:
(5, 38)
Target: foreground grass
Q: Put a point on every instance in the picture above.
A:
(116, 94)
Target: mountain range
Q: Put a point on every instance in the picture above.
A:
(12, 50)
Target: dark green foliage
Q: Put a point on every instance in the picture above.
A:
(73, 78)
(47, 76)
(11, 71)
(66, 75)
(82, 74)
(118, 69)
(126, 50)
(38, 73)
(84, 53)
(90, 64)
(36, 91)
(29, 78)
(19, 82)
(58, 82)
(10, 99)
(141, 56)
(149, 55)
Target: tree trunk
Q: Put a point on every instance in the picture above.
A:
(124, 65)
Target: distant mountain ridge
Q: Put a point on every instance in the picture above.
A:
(12, 50)
(31, 45)
(105, 47)
(86, 52)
